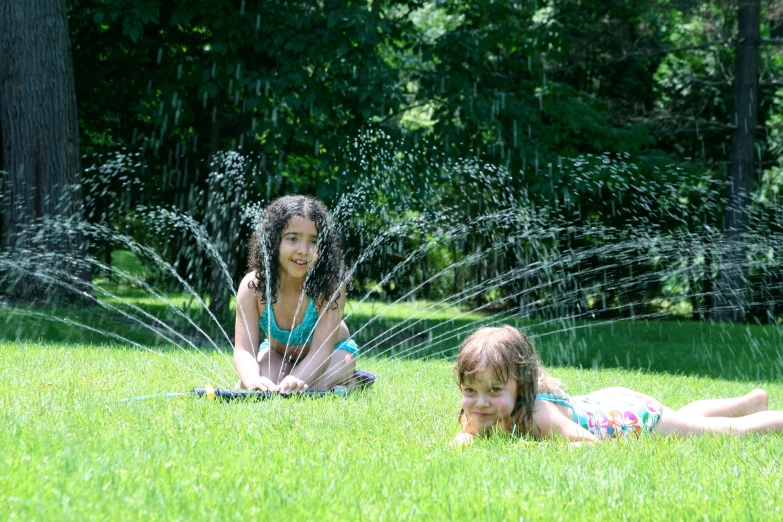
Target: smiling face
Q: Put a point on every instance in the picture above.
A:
(298, 251)
(487, 400)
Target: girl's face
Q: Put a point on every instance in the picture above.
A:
(298, 251)
(488, 401)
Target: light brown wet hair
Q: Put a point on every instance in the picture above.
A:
(508, 354)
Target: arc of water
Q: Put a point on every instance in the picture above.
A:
(500, 318)
(268, 296)
(513, 274)
(118, 337)
(493, 321)
(638, 317)
(342, 285)
(499, 279)
(136, 247)
(164, 325)
(157, 295)
(100, 230)
(268, 274)
(461, 228)
(74, 288)
(436, 307)
(476, 289)
(470, 259)
(422, 250)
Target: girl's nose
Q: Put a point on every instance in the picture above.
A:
(481, 400)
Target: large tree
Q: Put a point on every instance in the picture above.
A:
(41, 243)
(731, 286)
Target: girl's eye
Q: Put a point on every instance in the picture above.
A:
(496, 389)
(468, 390)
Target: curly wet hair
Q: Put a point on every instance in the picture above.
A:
(509, 354)
(329, 270)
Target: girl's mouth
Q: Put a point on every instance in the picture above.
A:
(482, 415)
(300, 264)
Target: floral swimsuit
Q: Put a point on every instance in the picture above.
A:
(611, 412)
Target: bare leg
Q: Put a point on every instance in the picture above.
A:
(271, 365)
(342, 364)
(754, 402)
(678, 424)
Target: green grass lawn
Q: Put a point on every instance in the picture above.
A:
(75, 451)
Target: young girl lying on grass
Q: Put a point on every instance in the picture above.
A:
(504, 386)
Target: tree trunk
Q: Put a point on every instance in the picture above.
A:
(219, 290)
(731, 289)
(42, 246)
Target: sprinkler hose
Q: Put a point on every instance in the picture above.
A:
(362, 380)
(228, 394)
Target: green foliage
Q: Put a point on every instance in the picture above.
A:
(286, 84)
(426, 116)
(505, 98)
(266, 78)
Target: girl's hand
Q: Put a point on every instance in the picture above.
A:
(262, 384)
(581, 443)
(291, 384)
(462, 439)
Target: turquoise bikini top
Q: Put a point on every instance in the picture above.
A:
(301, 334)
(564, 400)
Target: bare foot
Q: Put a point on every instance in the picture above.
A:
(758, 400)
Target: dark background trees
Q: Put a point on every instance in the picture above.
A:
(604, 113)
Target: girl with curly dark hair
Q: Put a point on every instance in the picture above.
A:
(295, 292)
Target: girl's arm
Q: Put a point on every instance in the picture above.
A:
(325, 336)
(550, 422)
(246, 338)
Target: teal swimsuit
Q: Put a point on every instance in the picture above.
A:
(301, 334)
(610, 413)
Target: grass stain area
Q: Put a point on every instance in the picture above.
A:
(74, 450)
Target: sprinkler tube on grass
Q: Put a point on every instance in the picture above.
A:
(230, 394)
(361, 381)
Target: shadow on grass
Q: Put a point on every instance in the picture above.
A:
(727, 351)
(736, 352)
(162, 330)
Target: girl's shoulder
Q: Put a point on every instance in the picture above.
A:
(249, 281)
(249, 285)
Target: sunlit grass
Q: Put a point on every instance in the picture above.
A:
(74, 450)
